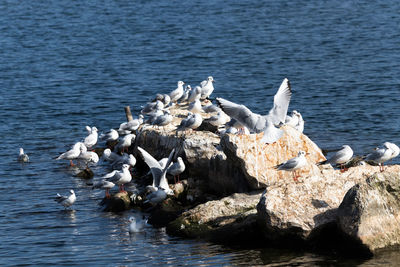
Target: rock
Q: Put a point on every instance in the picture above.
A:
(370, 211)
(165, 212)
(303, 211)
(256, 160)
(85, 174)
(121, 201)
(229, 219)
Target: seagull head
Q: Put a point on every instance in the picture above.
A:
(210, 79)
(72, 191)
(181, 83)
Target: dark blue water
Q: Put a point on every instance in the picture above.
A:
(67, 64)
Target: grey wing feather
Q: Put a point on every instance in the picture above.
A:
(338, 155)
(241, 113)
(288, 165)
(60, 198)
(281, 103)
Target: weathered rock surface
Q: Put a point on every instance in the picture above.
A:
(119, 202)
(370, 211)
(229, 219)
(256, 160)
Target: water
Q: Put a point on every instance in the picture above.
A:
(67, 64)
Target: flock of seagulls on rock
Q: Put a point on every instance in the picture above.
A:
(229, 117)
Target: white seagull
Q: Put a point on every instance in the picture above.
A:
(22, 157)
(136, 226)
(294, 164)
(192, 121)
(195, 94)
(380, 156)
(341, 157)
(73, 153)
(195, 107)
(177, 93)
(177, 168)
(66, 201)
(207, 87)
(91, 139)
(109, 136)
(259, 123)
(125, 142)
(104, 184)
(394, 148)
(159, 173)
(119, 177)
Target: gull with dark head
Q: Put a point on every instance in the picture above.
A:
(262, 123)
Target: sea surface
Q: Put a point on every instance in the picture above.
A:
(68, 64)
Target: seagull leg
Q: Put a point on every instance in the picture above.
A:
(71, 163)
(108, 193)
(381, 167)
(295, 176)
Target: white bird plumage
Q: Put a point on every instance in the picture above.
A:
(22, 157)
(294, 164)
(66, 201)
(119, 177)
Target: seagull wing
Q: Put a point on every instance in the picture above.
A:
(242, 114)
(154, 166)
(281, 103)
(163, 181)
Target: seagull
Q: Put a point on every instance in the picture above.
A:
(152, 106)
(164, 119)
(104, 184)
(125, 159)
(195, 107)
(292, 120)
(341, 157)
(119, 177)
(177, 168)
(73, 153)
(258, 123)
(110, 156)
(211, 108)
(160, 181)
(125, 142)
(110, 136)
(192, 121)
(156, 195)
(380, 155)
(91, 139)
(185, 94)
(66, 201)
(22, 157)
(177, 93)
(194, 94)
(132, 125)
(293, 164)
(88, 157)
(394, 148)
(218, 120)
(207, 87)
(136, 226)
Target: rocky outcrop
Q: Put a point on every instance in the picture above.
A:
(230, 219)
(256, 160)
(370, 210)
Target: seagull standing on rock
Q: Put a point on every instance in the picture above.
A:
(207, 87)
(22, 157)
(177, 168)
(91, 139)
(66, 201)
(73, 153)
(294, 164)
(192, 121)
(125, 142)
(104, 184)
(109, 136)
(341, 157)
(177, 93)
(380, 156)
(119, 177)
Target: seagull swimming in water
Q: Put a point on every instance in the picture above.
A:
(294, 164)
(258, 123)
(136, 225)
(22, 157)
(66, 201)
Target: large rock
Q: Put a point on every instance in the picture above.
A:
(256, 160)
(230, 219)
(302, 211)
(370, 211)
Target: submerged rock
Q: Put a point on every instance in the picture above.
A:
(121, 201)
